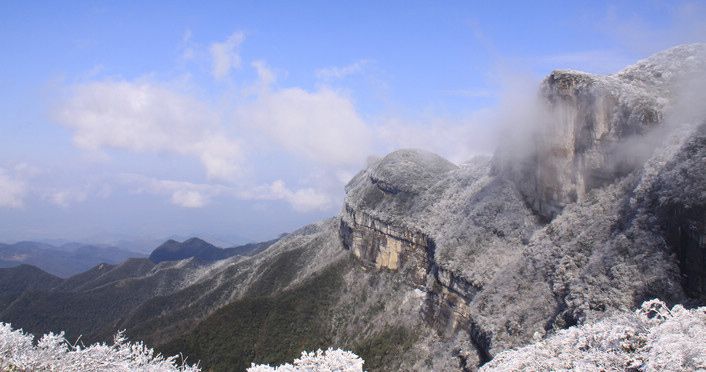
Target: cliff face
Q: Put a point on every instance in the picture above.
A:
(388, 247)
(583, 140)
(447, 234)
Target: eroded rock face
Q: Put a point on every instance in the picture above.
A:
(410, 253)
(387, 247)
(446, 229)
(584, 138)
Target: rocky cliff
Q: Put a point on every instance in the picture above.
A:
(587, 220)
(594, 127)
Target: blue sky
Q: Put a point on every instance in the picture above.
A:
(241, 120)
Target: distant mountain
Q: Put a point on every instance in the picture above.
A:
(64, 260)
(172, 250)
(146, 243)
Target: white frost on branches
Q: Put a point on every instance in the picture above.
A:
(331, 360)
(653, 338)
(54, 353)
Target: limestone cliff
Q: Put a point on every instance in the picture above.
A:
(583, 141)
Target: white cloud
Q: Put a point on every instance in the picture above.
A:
(187, 46)
(196, 195)
(189, 199)
(265, 76)
(181, 193)
(322, 126)
(12, 190)
(332, 73)
(65, 198)
(225, 55)
(146, 117)
(302, 200)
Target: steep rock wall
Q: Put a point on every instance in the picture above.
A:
(583, 139)
(411, 253)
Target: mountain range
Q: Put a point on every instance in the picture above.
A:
(62, 260)
(172, 250)
(594, 206)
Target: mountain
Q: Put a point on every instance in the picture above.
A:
(63, 260)
(436, 266)
(172, 250)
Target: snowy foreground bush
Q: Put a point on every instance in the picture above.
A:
(653, 338)
(329, 360)
(54, 353)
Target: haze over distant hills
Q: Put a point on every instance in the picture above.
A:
(63, 260)
(145, 244)
(71, 258)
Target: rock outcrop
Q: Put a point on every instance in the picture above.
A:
(446, 232)
(585, 139)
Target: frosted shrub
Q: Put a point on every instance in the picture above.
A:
(653, 338)
(331, 360)
(54, 353)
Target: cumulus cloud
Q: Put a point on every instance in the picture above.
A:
(322, 126)
(181, 193)
(12, 190)
(196, 195)
(332, 73)
(225, 55)
(302, 200)
(142, 116)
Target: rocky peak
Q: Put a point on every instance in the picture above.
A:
(580, 143)
(408, 171)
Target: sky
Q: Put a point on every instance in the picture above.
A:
(240, 120)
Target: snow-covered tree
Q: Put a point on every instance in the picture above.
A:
(331, 360)
(653, 338)
(54, 353)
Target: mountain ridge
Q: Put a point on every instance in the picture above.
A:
(172, 250)
(64, 260)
